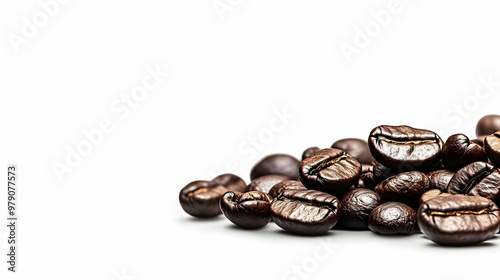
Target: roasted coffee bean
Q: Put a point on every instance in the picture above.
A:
(309, 152)
(492, 146)
(356, 207)
(231, 182)
(276, 164)
(488, 125)
(404, 148)
(393, 218)
(357, 148)
(405, 187)
(248, 210)
(458, 152)
(432, 194)
(477, 179)
(306, 212)
(265, 183)
(381, 172)
(439, 179)
(459, 219)
(329, 170)
(201, 198)
(366, 179)
(479, 140)
(286, 185)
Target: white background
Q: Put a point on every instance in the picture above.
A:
(116, 214)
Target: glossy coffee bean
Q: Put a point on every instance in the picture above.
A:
(329, 170)
(477, 179)
(492, 146)
(393, 218)
(309, 152)
(458, 152)
(356, 207)
(366, 179)
(247, 210)
(459, 219)
(357, 148)
(265, 183)
(405, 187)
(286, 185)
(276, 164)
(201, 198)
(432, 194)
(488, 125)
(305, 212)
(439, 179)
(479, 140)
(231, 182)
(405, 148)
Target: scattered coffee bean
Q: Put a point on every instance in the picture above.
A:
(439, 179)
(477, 179)
(305, 212)
(201, 198)
(459, 219)
(247, 210)
(393, 218)
(309, 152)
(231, 182)
(492, 146)
(276, 164)
(286, 185)
(356, 207)
(405, 148)
(357, 148)
(265, 183)
(405, 187)
(488, 125)
(458, 152)
(329, 170)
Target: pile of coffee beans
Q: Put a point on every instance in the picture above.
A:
(401, 181)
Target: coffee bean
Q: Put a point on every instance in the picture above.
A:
(329, 170)
(405, 187)
(305, 212)
(231, 182)
(479, 140)
(356, 207)
(201, 198)
(477, 179)
(309, 152)
(276, 164)
(404, 148)
(393, 218)
(265, 183)
(247, 210)
(286, 185)
(492, 146)
(458, 152)
(439, 179)
(488, 125)
(381, 172)
(357, 148)
(458, 219)
(432, 194)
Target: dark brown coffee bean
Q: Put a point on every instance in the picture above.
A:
(276, 164)
(405, 148)
(459, 219)
(432, 194)
(492, 146)
(488, 125)
(201, 198)
(439, 179)
(248, 210)
(477, 179)
(356, 207)
(306, 212)
(309, 152)
(458, 152)
(265, 183)
(231, 182)
(357, 148)
(393, 218)
(479, 140)
(329, 170)
(286, 185)
(405, 187)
